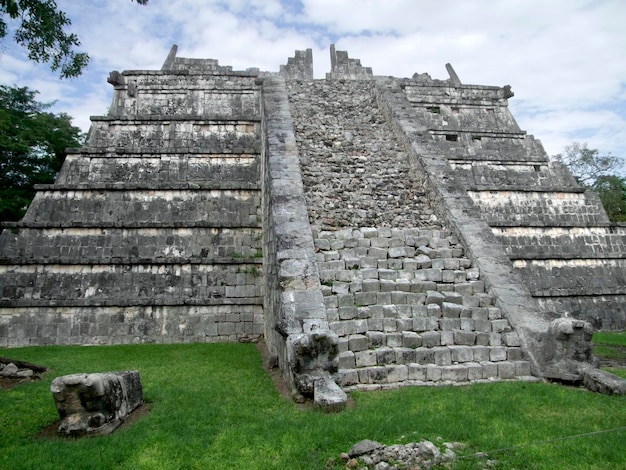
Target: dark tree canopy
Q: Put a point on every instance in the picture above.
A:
(42, 31)
(32, 147)
(612, 192)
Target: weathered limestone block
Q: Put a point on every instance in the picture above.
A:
(569, 357)
(572, 339)
(573, 359)
(601, 381)
(95, 404)
(313, 358)
(327, 395)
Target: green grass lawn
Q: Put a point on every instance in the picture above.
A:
(214, 407)
(611, 346)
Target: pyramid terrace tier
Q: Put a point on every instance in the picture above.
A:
(208, 135)
(603, 311)
(145, 208)
(563, 242)
(446, 93)
(31, 326)
(505, 148)
(149, 284)
(131, 245)
(488, 174)
(534, 208)
(91, 168)
(572, 277)
(171, 93)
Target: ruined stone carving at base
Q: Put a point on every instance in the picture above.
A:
(95, 404)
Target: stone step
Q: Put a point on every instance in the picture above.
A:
(420, 374)
(500, 334)
(439, 355)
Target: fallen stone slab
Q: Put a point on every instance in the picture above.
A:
(602, 381)
(328, 396)
(95, 404)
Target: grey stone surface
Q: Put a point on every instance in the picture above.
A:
(328, 396)
(409, 225)
(95, 404)
(602, 381)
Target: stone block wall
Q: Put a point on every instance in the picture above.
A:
(489, 174)
(152, 232)
(106, 170)
(148, 208)
(511, 181)
(129, 324)
(178, 93)
(562, 242)
(209, 136)
(132, 245)
(533, 208)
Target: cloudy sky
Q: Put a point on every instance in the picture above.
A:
(565, 59)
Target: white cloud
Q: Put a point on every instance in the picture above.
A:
(565, 59)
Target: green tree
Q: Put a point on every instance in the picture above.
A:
(41, 29)
(597, 172)
(587, 165)
(612, 192)
(32, 147)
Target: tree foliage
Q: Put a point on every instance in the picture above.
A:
(32, 147)
(42, 31)
(612, 192)
(587, 165)
(597, 172)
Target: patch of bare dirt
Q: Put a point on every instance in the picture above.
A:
(8, 382)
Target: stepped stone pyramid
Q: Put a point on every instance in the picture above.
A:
(375, 231)
(153, 229)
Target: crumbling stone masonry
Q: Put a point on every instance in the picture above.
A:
(375, 231)
(95, 404)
